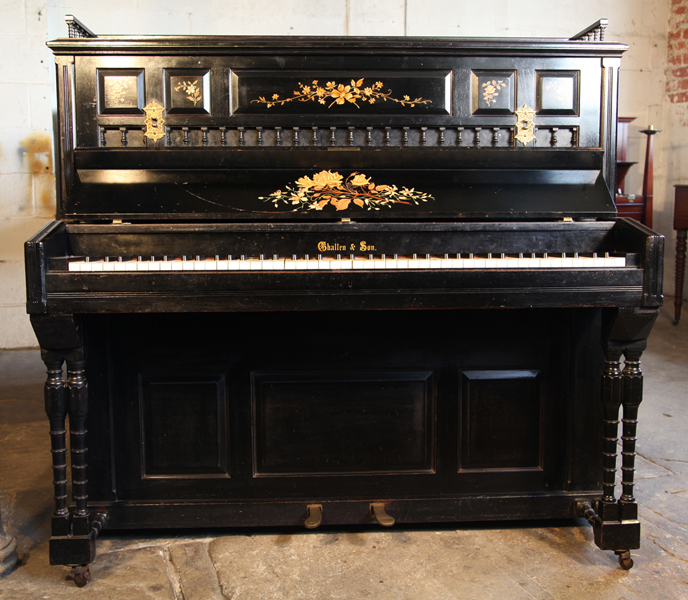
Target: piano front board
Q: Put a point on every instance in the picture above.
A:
(448, 129)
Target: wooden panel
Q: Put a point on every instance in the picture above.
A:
(183, 426)
(316, 423)
(493, 92)
(342, 92)
(501, 420)
(187, 91)
(120, 91)
(558, 92)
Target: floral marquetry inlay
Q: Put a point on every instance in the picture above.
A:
(339, 93)
(117, 90)
(191, 89)
(329, 188)
(491, 90)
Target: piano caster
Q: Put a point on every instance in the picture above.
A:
(81, 575)
(378, 512)
(625, 560)
(313, 516)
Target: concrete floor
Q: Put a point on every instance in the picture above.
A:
(546, 560)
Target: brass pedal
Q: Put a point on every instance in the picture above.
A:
(313, 516)
(379, 513)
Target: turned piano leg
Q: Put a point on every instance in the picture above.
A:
(78, 413)
(615, 520)
(74, 529)
(56, 409)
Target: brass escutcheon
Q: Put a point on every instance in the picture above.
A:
(154, 121)
(524, 125)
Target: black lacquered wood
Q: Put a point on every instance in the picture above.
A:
(294, 398)
(56, 409)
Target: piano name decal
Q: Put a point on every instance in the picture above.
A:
(331, 189)
(340, 94)
(362, 246)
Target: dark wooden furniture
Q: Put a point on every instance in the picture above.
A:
(634, 206)
(681, 226)
(342, 281)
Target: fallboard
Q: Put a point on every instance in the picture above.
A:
(323, 129)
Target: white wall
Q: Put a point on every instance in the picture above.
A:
(26, 170)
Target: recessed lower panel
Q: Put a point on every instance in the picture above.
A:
(343, 423)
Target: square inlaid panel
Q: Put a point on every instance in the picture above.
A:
(120, 91)
(187, 91)
(557, 92)
(493, 92)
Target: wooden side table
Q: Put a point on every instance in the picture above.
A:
(680, 225)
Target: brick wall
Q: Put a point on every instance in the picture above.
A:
(677, 68)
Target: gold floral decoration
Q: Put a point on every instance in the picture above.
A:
(191, 89)
(335, 93)
(331, 189)
(116, 90)
(491, 90)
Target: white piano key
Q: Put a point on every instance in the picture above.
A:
(568, 261)
(599, 261)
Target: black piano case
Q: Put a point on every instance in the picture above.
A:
(304, 281)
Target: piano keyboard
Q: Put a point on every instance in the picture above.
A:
(339, 263)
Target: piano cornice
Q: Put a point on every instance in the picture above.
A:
(237, 45)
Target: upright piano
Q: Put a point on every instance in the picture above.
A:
(321, 281)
